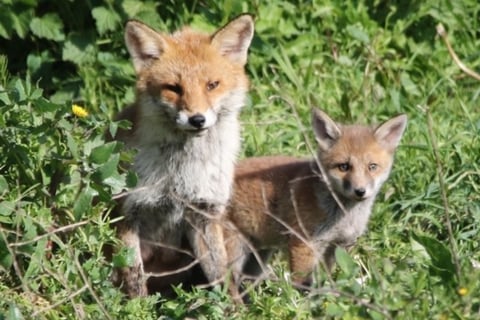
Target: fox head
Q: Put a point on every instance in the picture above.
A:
(356, 159)
(187, 79)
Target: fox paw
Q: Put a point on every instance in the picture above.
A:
(131, 281)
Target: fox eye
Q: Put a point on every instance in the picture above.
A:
(372, 167)
(343, 167)
(211, 85)
(176, 88)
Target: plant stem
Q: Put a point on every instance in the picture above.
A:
(443, 193)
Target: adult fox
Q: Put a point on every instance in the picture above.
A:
(190, 88)
(311, 206)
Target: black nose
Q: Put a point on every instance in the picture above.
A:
(197, 120)
(360, 192)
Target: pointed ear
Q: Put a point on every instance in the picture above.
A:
(234, 38)
(143, 43)
(390, 132)
(327, 132)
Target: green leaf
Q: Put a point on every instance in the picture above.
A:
(108, 169)
(132, 7)
(83, 204)
(105, 19)
(43, 105)
(3, 185)
(6, 208)
(333, 310)
(409, 85)
(20, 91)
(21, 21)
(6, 260)
(124, 124)
(35, 61)
(5, 24)
(72, 145)
(14, 312)
(36, 93)
(101, 154)
(49, 26)
(112, 128)
(65, 125)
(357, 33)
(79, 48)
(5, 98)
(104, 194)
(37, 258)
(375, 315)
(6, 219)
(125, 258)
(91, 144)
(344, 261)
(440, 256)
(131, 179)
(116, 182)
(344, 60)
(395, 98)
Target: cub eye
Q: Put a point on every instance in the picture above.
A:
(343, 167)
(211, 85)
(176, 88)
(372, 167)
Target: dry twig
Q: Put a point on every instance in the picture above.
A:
(443, 34)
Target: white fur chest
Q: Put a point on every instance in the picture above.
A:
(201, 169)
(173, 174)
(352, 224)
(344, 226)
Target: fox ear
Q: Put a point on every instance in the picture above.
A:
(390, 132)
(234, 38)
(327, 132)
(143, 43)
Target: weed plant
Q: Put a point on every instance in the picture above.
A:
(360, 61)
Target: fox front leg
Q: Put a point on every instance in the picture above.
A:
(131, 278)
(206, 236)
(302, 261)
(237, 250)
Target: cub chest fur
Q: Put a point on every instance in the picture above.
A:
(344, 224)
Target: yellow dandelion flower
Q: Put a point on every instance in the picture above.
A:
(462, 291)
(79, 111)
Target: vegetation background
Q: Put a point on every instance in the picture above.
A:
(361, 61)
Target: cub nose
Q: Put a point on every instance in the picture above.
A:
(197, 120)
(360, 192)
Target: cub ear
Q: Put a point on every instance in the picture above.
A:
(143, 43)
(327, 132)
(390, 132)
(234, 38)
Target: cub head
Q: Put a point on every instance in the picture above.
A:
(356, 159)
(187, 79)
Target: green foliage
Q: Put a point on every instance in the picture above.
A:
(54, 164)
(198, 304)
(361, 61)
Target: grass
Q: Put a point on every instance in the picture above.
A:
(360, 61)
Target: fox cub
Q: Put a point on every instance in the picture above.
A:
(310, 206)
(190, 88)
